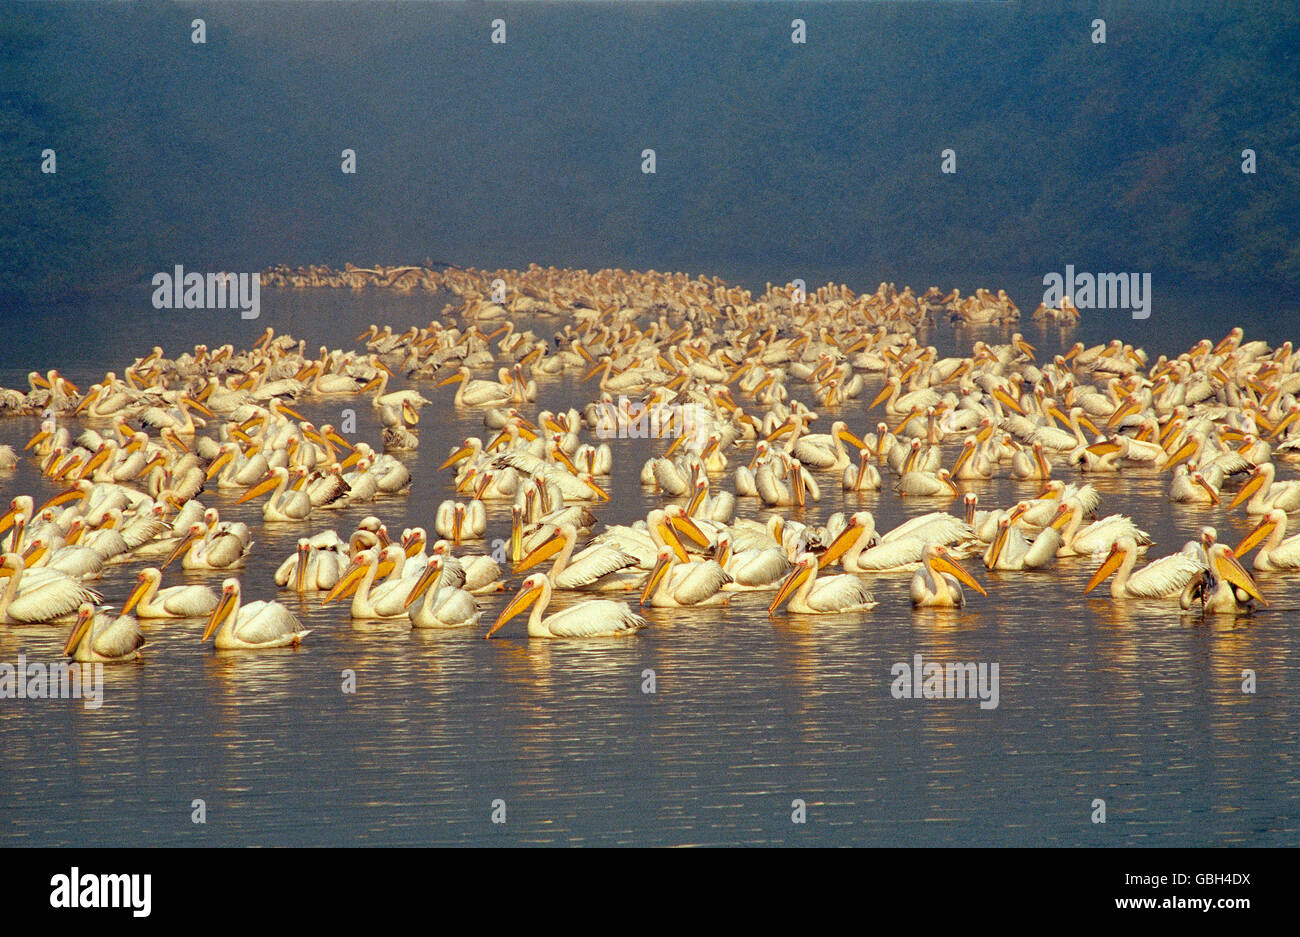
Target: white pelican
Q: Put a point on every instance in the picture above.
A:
(753, 569)
(459, 521)
(1191, 488)
(214, 552)
(1098, 536)
(1058, 440)
(1011, 550)
(255, 625)
(310, 568)
(40, 595)
(1222, 586)
(1165, 578)
(1279, 552)
(1032, 464)
(77, 562)
(235, 468)
(149, 601)
(826, 452)
(596, 567)
(719, 508)
(937, 584)
(101, 639)
(809, 595)
(1265, 494)
(443, 607)
(370, 601)
(861, 477)
(677, 585)
(793, 491)
(927, 484)
(477, 393)
(588, 619)
(1102, 456)
(972, 463)
(482, 573)
(384, 398)
(288, 503)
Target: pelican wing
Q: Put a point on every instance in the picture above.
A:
(265, 622)
(522, 462)
(1287, 554)
(592, 565)
(598, 617)
(188, 601)
(51, 597)
(1164, 578)
(118, 638)
(897, 554)
(1042, 552)
(840, 593)
(936, 527)
(759, 567)
(1101, 535)
(669, 477)
(701, 580)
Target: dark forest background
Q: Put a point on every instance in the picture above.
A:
(1122, 156)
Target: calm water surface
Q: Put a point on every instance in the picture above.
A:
(1128, 702)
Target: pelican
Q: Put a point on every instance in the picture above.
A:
(861, 477)
(311, 569)
(753, 569)
(478, 393)
(1097, 536)
(459, 521)
(482, 573)
(595, 618)
(149, 601)
(234, 468)
(386, 600)
(826, 452)
(1165, 578)
(1264, 494)
(1010, 549)
(678, 585)
(34, 596)
(1031, 465)
(1223, 586)
(100, 639)
(938, 583)
(792, 492)
(252, 626)
(384, 398)
(1279, 552)
(1058, 440)
(596, 567)
(971, 463)
(219, 550)
(927, 484)
(809, 595)
(444, 607)
(287, 503)
(1191, 488)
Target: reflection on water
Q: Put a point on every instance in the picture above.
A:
(1127, 701)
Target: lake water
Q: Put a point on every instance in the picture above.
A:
(1128, 702)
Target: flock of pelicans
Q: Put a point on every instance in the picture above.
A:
(728, 380)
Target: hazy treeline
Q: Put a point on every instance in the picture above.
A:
(1117, 156)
